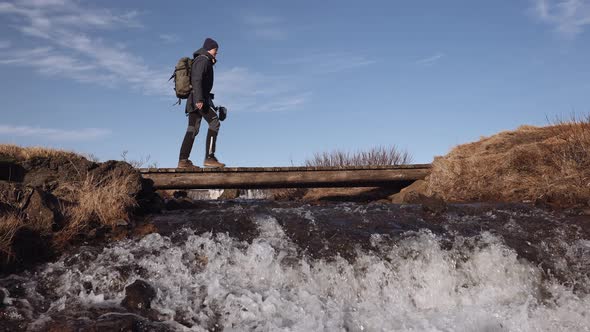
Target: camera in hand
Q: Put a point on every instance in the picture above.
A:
(222, 113)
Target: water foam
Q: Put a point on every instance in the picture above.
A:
(478, 284)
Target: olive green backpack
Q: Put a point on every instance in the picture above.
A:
(182, 78)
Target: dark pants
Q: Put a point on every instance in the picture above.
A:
(194, 122)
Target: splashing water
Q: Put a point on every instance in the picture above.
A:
(419, 281)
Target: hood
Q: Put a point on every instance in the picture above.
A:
(204, 52)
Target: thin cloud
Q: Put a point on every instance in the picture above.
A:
(265, 26)
(5, 44)
(325, 63)
(77, 54)
(431, 60)
(568, 17)
(44, 3)
(49, 62)
(249, 91)
(71, 49)
(54, 134)
(285, 103)
(53, 14)
(169, 38)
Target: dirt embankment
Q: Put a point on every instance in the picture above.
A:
(52, 199)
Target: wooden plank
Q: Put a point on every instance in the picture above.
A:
(278, 169)
(289, 177)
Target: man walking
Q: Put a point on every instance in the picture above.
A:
(200, 105)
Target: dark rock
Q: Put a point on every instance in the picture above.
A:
(138, 296)
(229, 194)
(180, 194)
(149, 205)
(143, 229)
(183, 317)
(63, 325)
(38, 211)
(118, 169)
(9, 324)
(118, 322)
(180, 204)
(43, 193)
(42, 172)
(10, 170)
(107, 322)
(430, 204)
(148, 200)
(87, 287)
(29, 247)
(2, 296)
(408, 193)
(13, 196)
(128, 322)
(15, 286)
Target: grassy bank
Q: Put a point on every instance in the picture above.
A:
(549, 164)
(62, 196)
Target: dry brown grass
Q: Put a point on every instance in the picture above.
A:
(9, 224)
(24, 153)
(379, 156)
(86, 201)
(550, 163)
(104, 201)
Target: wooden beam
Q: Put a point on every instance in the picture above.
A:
(285, 177)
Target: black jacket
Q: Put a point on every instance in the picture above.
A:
(201, 78)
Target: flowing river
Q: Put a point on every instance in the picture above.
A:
(255, 265)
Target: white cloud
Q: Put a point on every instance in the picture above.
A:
(46, 14)
(47, 61)
(429, 61)
(54, 134)
(75, 52)
(169, 38)
(568, 17)
(43, 3)
(70, 46)
(265, 26)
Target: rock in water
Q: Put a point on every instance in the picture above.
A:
(406, 194)
(138, 296)
(107, 322)
(229, 194)
(29, 247)
(432, 204)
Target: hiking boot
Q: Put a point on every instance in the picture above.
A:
(187, 164)
(211, 161)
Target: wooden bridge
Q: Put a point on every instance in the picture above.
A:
(285, 177)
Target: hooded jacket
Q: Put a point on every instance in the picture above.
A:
(201, 79)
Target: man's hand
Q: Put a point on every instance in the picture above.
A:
(199, 105)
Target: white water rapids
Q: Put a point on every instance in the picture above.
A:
(413, 284)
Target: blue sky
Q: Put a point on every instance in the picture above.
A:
(297, 77)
